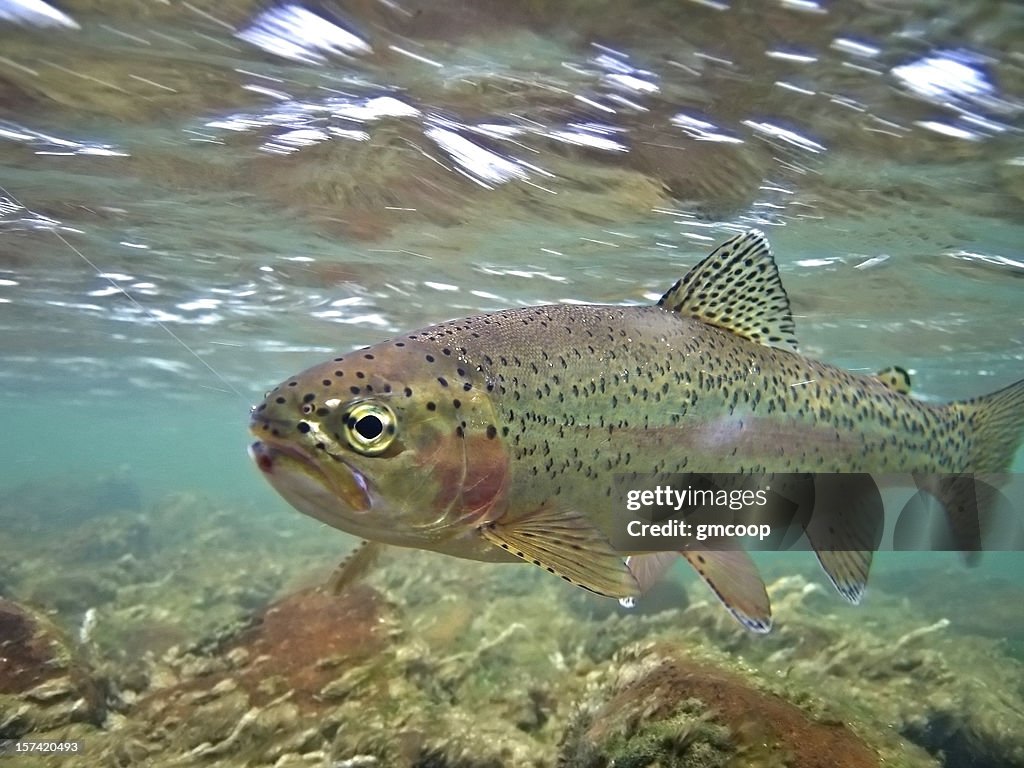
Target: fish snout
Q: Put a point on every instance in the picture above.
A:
(262, 457)
(278, 415)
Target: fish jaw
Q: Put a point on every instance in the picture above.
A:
(299, 479)
(343, 500)
(354, 507)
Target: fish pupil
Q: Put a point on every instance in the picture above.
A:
(369, 427)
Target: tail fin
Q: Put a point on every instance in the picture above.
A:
(997, 422)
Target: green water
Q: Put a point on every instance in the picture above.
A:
(197, 201)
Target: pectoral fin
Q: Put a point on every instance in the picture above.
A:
(567, 545)
(354, 566)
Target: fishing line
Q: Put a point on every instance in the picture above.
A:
(145, 310)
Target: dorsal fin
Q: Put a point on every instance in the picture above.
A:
(895, 378)
(737, 288)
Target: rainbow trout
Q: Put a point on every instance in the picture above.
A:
(496, 437)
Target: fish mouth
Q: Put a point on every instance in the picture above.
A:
(292, 470)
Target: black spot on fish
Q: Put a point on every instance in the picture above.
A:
(303, 427)
(279, 400)
(399, 343)
(293, 383)
(368, 356)
(360, 375)
(491, 432)
(339, 359)
(354, 390)
(456, 403)
(442, 381)
(309, 397)
(431, 406)
(408, 392)
(430, 358)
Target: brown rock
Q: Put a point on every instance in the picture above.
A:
(672, 710)
(42, 682)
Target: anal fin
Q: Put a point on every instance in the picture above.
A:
(847, 530)
(847, 570)
(566, 544)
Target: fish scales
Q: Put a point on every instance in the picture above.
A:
(582, 392)
(498, 437)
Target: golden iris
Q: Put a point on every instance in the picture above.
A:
(370, 428)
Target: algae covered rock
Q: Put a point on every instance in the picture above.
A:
(665, 708)
(43, 685)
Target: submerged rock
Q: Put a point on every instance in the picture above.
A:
(664, 708)
(300, 644)
(253, 695)
(326, 680)
(430, 661)
(43, 685)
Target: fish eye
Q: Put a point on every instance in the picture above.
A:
(370, 428)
